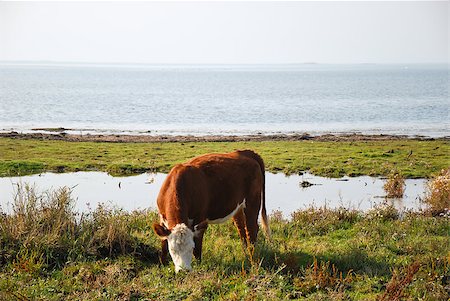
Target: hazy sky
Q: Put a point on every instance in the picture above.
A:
(224, 33)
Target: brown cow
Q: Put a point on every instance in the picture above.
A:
(210, 188)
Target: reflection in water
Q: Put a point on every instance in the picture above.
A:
(283, 192)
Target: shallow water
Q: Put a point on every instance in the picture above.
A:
(283, 192)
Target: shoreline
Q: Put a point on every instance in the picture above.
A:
(124, 138)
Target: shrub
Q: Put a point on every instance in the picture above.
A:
(437, 195)
(395, 185)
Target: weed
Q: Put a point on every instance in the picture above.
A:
(395, 289)
(276, 216)
(438, 193)
(395, 185)
(322, 275)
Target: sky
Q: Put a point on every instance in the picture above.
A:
(225, 32)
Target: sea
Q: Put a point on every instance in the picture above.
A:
(140, 99)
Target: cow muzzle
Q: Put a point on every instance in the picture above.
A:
(184, 268)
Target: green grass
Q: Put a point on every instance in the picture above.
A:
(49, 252)
(412, 158)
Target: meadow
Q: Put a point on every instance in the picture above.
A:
(48, 251)
(412, 158)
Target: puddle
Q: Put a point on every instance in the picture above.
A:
(283, 192)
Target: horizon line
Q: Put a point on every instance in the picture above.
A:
(56, 62)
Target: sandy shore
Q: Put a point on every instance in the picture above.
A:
(210, 138)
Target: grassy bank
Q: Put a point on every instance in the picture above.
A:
(412, 158)
(49, 252)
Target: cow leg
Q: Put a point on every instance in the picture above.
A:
(164, 251)
(251, 221)
(198, 240)
(239, 222)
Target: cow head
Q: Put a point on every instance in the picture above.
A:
(181, 244)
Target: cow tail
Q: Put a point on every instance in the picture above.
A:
(265, 220)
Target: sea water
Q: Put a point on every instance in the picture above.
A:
(243, 99)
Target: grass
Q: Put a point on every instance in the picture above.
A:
(45, 230)
(50, 252)
(411, 158)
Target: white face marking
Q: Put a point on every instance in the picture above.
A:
(181, 244)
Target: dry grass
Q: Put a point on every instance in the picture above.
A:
(39, 227)
(322, 275)
(384, 212)
(319, 220)
(49, 215)
(276, 216)
(44, 230)
(110, 229)
(395, 185)
(395, 289)
(437, 195)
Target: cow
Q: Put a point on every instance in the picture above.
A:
(210, 189)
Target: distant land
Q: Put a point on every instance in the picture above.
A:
(81, 63)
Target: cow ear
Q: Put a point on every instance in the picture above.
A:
(200, 228)
(161, 230)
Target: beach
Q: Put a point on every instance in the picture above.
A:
(61, 135)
